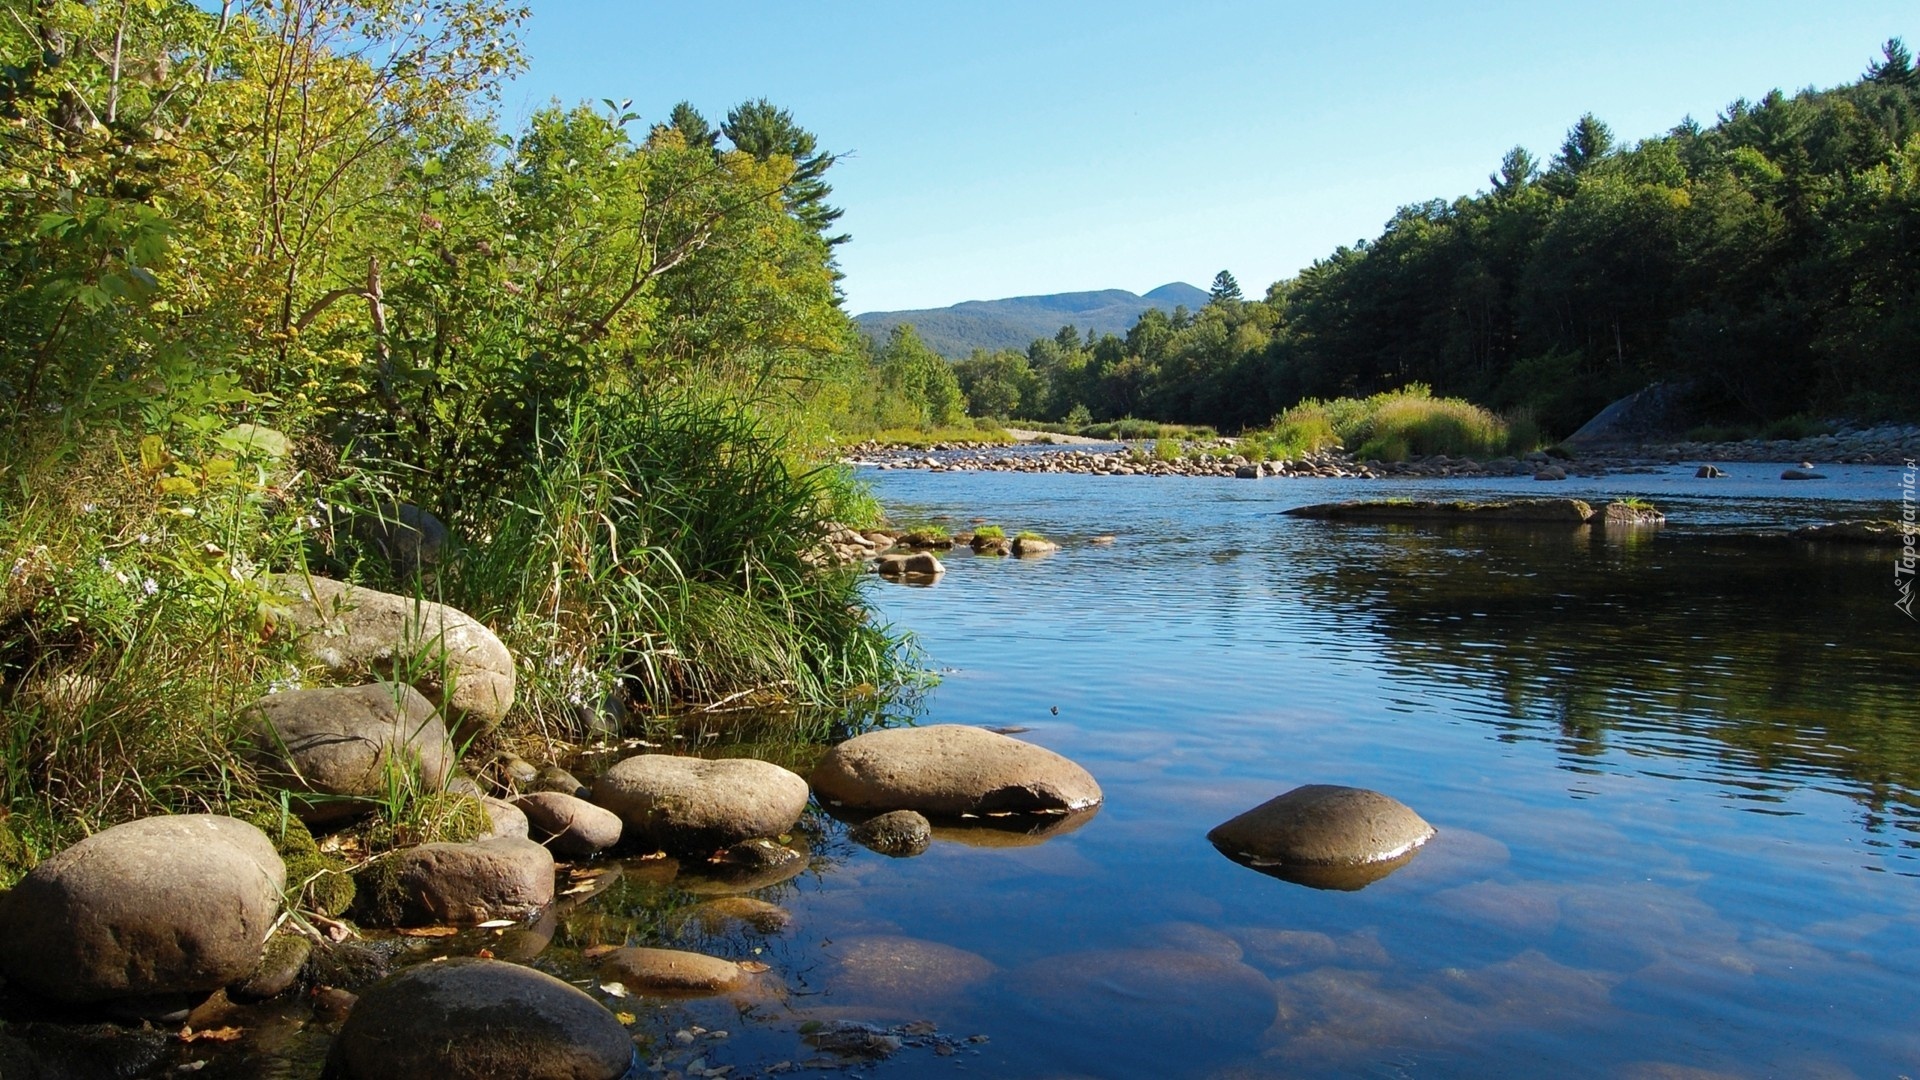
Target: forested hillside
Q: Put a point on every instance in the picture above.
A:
(1769, 260)
(956, 331)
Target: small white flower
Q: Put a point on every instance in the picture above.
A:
(150, 587)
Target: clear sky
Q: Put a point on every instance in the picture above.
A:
(1001, 149)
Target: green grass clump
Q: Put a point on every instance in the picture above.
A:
(1028, 534)
(989, 532)
(1392, 426)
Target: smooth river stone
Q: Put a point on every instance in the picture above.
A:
(693, 805)
(1325, 835)
(671, 972)
(885, 968)
(948, 770)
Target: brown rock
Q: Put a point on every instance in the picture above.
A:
(950, 770)
(721, 915)
(920, 564)
(473, 1019)
(672, 972)
(1322, 826)
(160, 905)
(472, 883)
(1028, 547)
(507, 821)
(341, 746)
(445, 654)
(889, 968)
(570, 826)
(694, 805)
(897, 833)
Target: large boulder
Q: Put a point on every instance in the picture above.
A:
(452, 659)
(157, 906)
(569, 825)
(473, 1019)
(340, 747)
(506, 878)
(1312, 832)
(696, 806)
(949, 770)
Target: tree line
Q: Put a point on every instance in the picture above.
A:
(1770, 262)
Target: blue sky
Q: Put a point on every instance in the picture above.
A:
(1001, 149)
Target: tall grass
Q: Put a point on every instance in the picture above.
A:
(655, 556)
(1391, 426)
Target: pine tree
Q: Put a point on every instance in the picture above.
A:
(1587, 142)
(760, 128)
(692, 126)
(1897, 68)
(1517, 170)
(1224, 290)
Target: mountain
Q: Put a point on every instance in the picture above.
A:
(1013, 323)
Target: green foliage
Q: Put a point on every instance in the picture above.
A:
(990, 532)
(1391, 426)
(316, 880)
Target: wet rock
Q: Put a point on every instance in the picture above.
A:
(672, 972)
(1709, 472)
(472, 883)
(1881, 533)
(990, 545)
(920, 564)
(156, 906)
(950, 770)
(1625, 514)
(693, 805)
(1522, 511)
(848, 1039)
(724, 914)
(472, 1019)
(280, 966)
(337, 748)
(505, 820)
(1311, 830)
(1193, 937)
(1804, 472)
(445, 654)
(570, 826)
(745, 867)
(885, 968)
(898, 833)
(555, 778)
(1029, 547)
(1551, 472)
(1201, 1003)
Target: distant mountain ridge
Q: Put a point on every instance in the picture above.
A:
(1013, 323)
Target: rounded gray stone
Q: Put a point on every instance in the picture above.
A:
(569, 825)
(694, 805)
(672, 972)
(338, 745)
(898, 833)
(948, 770)
(507, 878)
(474, 1019)
(161, 905)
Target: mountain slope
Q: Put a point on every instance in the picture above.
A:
(1013, 323)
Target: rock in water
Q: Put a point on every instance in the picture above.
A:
(1317, 833)
(161, 905)
(470, 1019)
(337, 745)
(672, 972)
(570, 826)
(920, 565)
(444, 653)
(472, 883)
(948, 770)
(695, 806)
(1804, 472)
(898, 833)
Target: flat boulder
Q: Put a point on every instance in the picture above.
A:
(724, 914)
(475, 1019)
(337, 748)
(1029, 547)
(918, 565)
(1315, 833)
(1510, 511)
(507, 878)
(1869, 533)
(1804, 472)
(950, 770)
(672, 972)
(176, 904)
(897, 833)
(444, 653)
(569, 825)
(1631, 514)
(696, 805)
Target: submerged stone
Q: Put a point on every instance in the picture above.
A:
(898, 833)
(1517, 511)
(672, 972)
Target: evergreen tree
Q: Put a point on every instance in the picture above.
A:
(760, 128)
(1897, 68)
(692, 126)
(1587, 142)
(1225, 289)
(1517, 170)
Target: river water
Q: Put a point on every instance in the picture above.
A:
(1676, 777)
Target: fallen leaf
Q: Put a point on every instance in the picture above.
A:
(496, 924)
(219, 1034)
(485, 954)
(753, 966)
(578, 889)
(625, 1017)
(614, 989)
(585, 875)
(429, 931)
(595, 952)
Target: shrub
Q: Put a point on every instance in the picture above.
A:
(990, 532)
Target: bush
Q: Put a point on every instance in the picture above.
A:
(1389, 427)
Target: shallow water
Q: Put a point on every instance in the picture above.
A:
(1676, 777)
